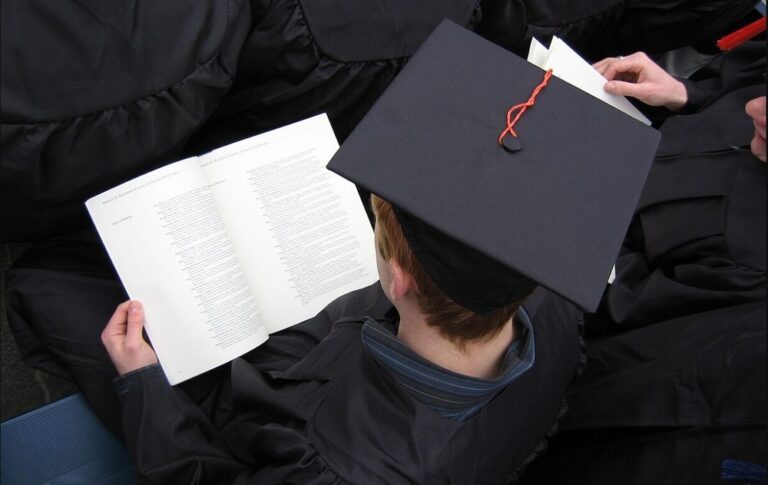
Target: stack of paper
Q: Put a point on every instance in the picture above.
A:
(571, 68)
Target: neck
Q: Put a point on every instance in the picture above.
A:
(481, 358)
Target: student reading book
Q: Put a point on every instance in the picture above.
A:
(192, 215)
(447, 371)
(236, 244)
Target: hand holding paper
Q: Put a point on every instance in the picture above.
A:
(639, 77)
(567, 65)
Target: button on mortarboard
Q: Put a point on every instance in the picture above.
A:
(554, 212)
(512, 144)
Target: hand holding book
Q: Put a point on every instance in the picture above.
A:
(124, 341)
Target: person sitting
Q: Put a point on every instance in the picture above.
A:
(452, 368)
(407, 389)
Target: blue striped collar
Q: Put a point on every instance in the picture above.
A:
(451, 394)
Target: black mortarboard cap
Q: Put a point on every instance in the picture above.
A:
(482, 220)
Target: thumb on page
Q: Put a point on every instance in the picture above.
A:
(136, 352)
(135, 322)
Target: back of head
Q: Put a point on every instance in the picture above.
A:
(457, 323)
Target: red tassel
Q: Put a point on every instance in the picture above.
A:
(735, 39)
(520, 108)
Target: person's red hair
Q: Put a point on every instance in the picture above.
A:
(456, 322)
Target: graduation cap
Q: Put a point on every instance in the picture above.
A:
(489, 218)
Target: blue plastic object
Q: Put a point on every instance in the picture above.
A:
(743, 471)
(62, 443)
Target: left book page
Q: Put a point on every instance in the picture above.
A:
(168, 242)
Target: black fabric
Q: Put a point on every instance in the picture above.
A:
(653, 26)
(707, 369)
(726, 73)
(335, 416)
(602, 28)
(698, 241)
(60, 294)
(390, 32)
(309, 406)
(96, 92)
(302, 58)
(687, 456)
(685, 256)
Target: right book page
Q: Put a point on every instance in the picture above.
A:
(300, 231)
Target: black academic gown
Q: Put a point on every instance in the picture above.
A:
(698, 239)
(311, 406)
(666, 404)
(308, 406)
(601, 28)
(96, 93)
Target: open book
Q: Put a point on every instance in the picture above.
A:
(573, 69)
(226, 248)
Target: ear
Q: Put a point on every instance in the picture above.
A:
(402, 281)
